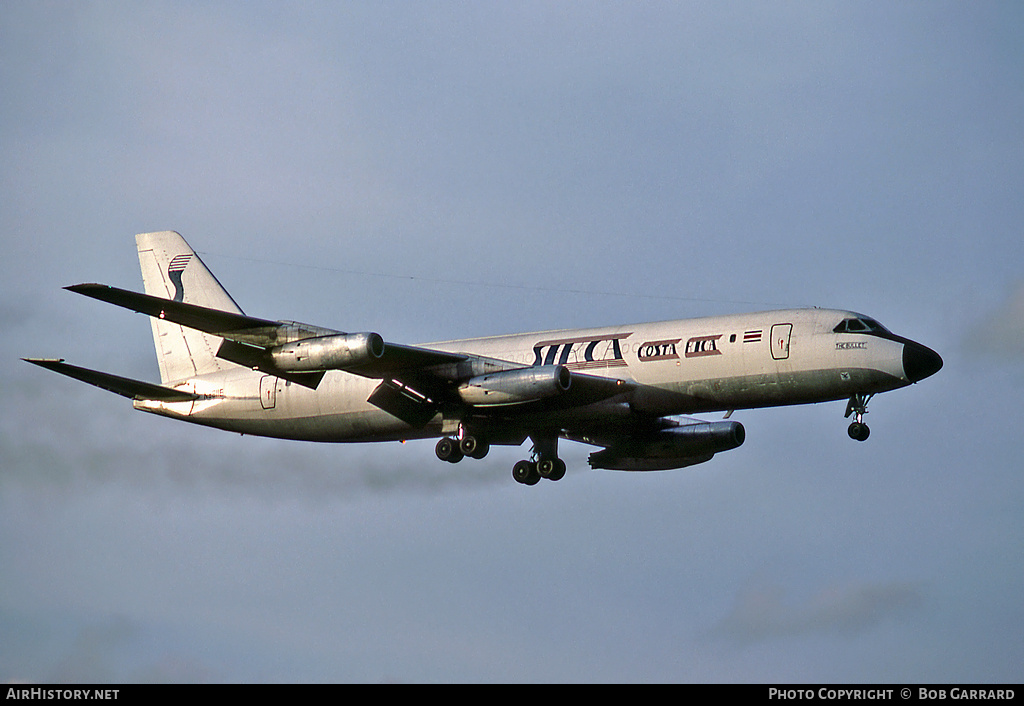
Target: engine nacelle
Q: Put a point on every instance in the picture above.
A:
(509, 387)
(336, 352)
(678, 447)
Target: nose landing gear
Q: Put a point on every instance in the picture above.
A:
(858, 406)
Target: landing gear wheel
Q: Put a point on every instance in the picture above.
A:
(551, 468)
(526, 473)
(448, 450)
(859, 431)
(473, 447)
(559, 472)
(858, 407)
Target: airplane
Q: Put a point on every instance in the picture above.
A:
(628, 390)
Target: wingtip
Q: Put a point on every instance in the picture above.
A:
(45, 362)
(85, 287)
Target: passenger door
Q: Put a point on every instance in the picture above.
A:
(268, 391)
(780, 341)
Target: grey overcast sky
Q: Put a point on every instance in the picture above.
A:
(437, 170)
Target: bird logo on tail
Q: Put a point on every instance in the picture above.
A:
(174, 270)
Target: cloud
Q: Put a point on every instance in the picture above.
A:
(764, 613)
(112, 649)
(94, 441)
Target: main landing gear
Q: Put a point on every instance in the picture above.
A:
(530, 472)
(544, 462)
(454, 450)
(858, 406)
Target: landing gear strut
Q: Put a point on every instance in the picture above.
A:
(858, 406)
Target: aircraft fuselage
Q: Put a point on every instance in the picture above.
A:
(686, 366)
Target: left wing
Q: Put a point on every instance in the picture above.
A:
(274, 347)
(416, 382)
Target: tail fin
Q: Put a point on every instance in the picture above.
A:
(172, 270)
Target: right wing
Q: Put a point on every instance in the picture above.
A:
(658, 443)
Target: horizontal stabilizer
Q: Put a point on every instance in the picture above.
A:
(126, 387)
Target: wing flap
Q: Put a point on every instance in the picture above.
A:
(126, 387)
(402, 401)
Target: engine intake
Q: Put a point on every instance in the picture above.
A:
(519, 386)
(336, 352)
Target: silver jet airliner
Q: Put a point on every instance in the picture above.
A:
(620, 388)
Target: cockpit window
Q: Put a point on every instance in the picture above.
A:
(860, 325)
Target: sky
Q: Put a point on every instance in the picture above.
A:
(441, 170)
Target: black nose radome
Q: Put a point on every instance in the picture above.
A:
(919, 361)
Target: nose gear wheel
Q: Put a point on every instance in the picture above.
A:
(858, 406)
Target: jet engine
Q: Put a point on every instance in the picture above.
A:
(677, 447)
(509, 387)
(335, 352)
